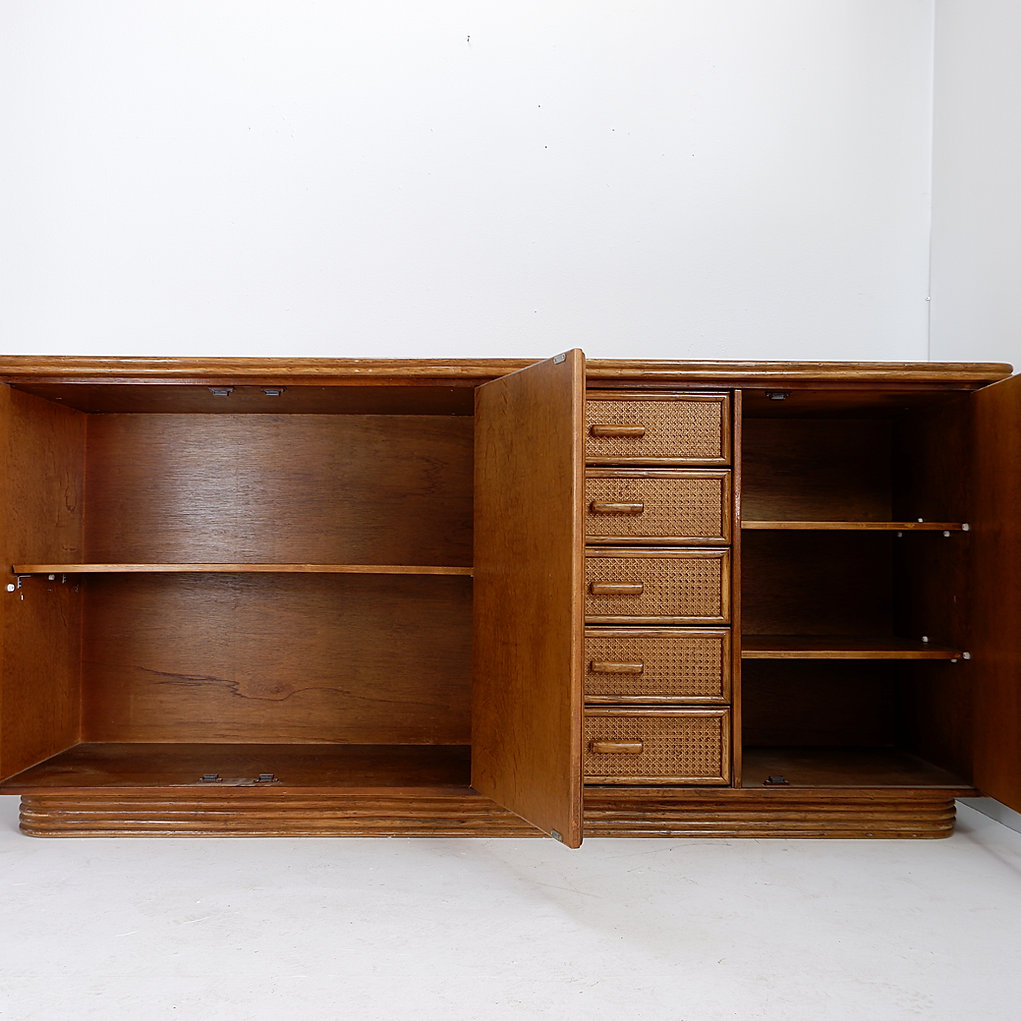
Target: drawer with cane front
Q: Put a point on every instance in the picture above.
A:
(657, 746)
(661, 586)
(657, 428)
(657, 507)
(650, 666)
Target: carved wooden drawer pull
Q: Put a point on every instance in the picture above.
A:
(604, 507)
(604, 667)
(630, 431)
(616, 588)
(615, 747)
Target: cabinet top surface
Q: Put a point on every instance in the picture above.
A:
(30, 368)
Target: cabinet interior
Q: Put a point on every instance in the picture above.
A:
(854, 581)
(285, 594)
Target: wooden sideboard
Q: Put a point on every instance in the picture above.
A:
(495, 598)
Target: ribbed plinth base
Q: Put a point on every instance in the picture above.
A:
(623, 813)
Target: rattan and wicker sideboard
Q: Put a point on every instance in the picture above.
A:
(603, 598)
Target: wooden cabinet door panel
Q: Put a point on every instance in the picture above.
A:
(527, 637)
(996, 621)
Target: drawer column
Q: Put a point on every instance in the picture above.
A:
(658, 635)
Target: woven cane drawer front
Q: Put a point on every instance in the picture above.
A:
(683, 746)
(662, 586)
(656, 666)
(664, 507)
(634, 428)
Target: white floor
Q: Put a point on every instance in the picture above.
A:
(673, 930)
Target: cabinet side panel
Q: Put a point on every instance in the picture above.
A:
(996, 629)
(527, 677)
(41, 461)
(737, 489)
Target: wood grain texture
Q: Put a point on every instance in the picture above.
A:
(248, 568)
(767, 812)
(847, 401)
(277, 658)
(250, 812)
(330, 489)
(43, 491)
(848, 767)
(790, 375)
(817, 583)
(296, 398)
(816, 470)
(734, 583)
(855, 586)
(527, 672)
(866, 375)
(431, 770)
(854, 526)
(24, 369)
(842, 647)
(917, 813)
(996, 618)
(41, 468)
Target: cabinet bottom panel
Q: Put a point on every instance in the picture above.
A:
(463, 813)
(284, 769)
(835, 768)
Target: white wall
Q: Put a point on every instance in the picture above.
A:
(671, 178)
(976, 242)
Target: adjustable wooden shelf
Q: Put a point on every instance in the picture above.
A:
(494, 598)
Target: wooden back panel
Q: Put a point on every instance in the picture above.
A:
(816, 469)
(817, 583)
(815, 703)
(527, 663)
(280, 488)
(359, 659)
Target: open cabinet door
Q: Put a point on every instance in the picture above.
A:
(528, 626)
(996, 586)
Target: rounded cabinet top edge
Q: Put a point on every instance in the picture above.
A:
(599, 372)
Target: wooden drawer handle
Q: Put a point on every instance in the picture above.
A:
(616, 588)
(615, 747)
(603, 667)
(633, 432)
(603, 507)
